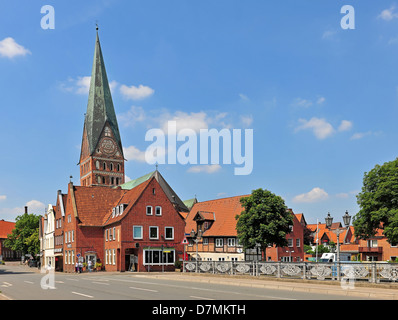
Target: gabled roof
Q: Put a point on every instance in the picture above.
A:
(130, 198)
(223, 210)
(93, 203)
(6, 228)
(100, 107)
(171, 195)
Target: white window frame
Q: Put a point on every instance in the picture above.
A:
(231, 242)
(219, 242)
(151, 213)
(157, 233)
(156, 211)
(172, 233)
(142, 232)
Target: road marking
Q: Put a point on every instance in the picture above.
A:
(107, 284)
(82, 294)
(6, 284)
(72, 279)
(143, 289)
(29, 282)
(201, 298)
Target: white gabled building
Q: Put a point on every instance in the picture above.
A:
(48, 238)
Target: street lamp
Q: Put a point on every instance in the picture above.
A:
(196, 237)
(329, 221)
(347, 219)
(338, 231)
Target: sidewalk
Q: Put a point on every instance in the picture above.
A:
(363, 290)
(356, 289)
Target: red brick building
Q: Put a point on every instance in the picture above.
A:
(294, 252)
(216, 221)
(105, 222)
(7, 254)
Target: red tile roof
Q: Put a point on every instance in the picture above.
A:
(93, 203)
(129, 197)
(6, 228)
(224, 210)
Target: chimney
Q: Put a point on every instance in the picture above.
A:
(26, 209)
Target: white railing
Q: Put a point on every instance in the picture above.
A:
(371, 272)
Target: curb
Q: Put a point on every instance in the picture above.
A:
(363, 292)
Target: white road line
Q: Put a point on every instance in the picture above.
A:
(201, 298)
(72, 279)
(107, 284)
(82, 294)
(29, 282)
(143, 289)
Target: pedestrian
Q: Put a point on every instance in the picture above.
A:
(80, 267)
(77, 267)
(90, 265)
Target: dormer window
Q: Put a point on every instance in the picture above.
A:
(122, 207)
(107, 132)
(113, 212)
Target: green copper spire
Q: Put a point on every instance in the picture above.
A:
(100, 106)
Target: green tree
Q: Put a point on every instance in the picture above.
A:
(378, 202)
(265, 220)
(25, 235)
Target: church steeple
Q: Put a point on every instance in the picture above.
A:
(101, 158)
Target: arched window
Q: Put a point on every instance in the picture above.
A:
(97, 164)
(111, 166)
(104, 166)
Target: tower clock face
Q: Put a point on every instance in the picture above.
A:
(108, 146)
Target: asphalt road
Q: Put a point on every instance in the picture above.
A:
(23, 283)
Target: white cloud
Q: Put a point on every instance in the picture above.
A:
(244, 97)
(299, 102)
(388, 14)
(136, 93)
(134, 154)
(132, 116)
(35, 206)
(320, 127)
(3, 197)
(360, 135)
(321, 100)
(246, 120)
(10, 49)
(212, 168)
(328, 34)
(345, 125)
(126, 179)
(81, 85)
(315, 195)
(149, 156)
(193, 120)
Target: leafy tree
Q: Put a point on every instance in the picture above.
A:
(265, 220)
(378, 202)
(25, 235)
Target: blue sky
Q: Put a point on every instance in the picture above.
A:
(322, 101)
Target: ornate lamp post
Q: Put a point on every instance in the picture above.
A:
(196, 236)
(338, 231)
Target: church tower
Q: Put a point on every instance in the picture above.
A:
(101, 158)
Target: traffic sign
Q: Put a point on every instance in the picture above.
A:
(184, 241)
